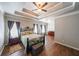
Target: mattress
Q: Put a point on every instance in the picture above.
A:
(32, 36)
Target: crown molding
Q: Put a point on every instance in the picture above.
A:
(25, 15)
(66, 9)
(29, 12)
(50, 10)
(73, 13)
(19, 16)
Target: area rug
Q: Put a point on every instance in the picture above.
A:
(11, 49)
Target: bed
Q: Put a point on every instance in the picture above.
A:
(31, 39)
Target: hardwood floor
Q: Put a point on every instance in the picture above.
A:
(55, 49)
(51, 49)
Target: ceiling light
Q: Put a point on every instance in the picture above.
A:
(39, 10)
(38, 2)
(40, 6)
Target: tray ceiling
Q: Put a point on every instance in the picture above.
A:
(51, 7)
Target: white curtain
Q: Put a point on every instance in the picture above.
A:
(14, 31)
(43, 29)
(35, 28)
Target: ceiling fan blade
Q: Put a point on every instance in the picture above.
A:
(34, 9)
(35, 4)
(44, 10)
(44, 5)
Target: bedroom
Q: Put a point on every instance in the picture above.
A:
(29, 30)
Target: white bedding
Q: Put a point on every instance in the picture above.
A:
(30, 36)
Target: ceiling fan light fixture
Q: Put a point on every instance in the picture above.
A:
(39, 10)
(38, 2)
(40, 6)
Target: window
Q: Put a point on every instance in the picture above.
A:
(35, 28)
(43, 29)
(14, 31)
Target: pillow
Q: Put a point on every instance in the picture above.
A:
(23, 33)
(26, 32)
(30, 32)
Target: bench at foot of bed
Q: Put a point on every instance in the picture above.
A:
(36, 49)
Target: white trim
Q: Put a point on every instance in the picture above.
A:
(49, 13)
(19, 13)
(1, 50)
(75, 12)
(56, 5)
(11, 15)
(64, 9)
(67, 45)
(71, 7)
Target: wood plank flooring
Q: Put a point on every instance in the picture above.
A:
(55, 49)
(51, 49)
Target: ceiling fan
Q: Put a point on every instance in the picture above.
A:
(40, 6)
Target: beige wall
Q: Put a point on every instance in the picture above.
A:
(1, 31)
(23, 23)
(67, 30)
(51, 22)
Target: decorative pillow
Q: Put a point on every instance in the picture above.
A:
(26, 32)
(23, 33)
(30, 32)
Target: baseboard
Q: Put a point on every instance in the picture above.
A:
(1, 50)
(67, 45)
